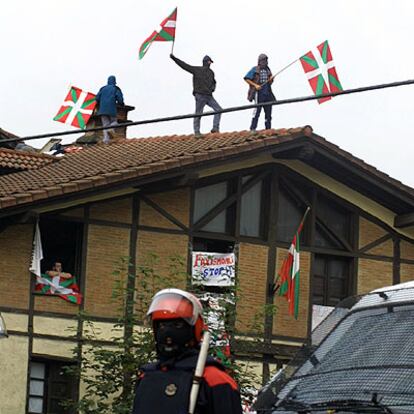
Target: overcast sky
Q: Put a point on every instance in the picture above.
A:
(48, 45)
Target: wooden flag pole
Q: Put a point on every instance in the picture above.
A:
(280, 71)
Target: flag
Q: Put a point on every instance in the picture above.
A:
(37, 252)
(65, 288)
(166, 33)
(289, 274)
(77, 108)
(320, 71)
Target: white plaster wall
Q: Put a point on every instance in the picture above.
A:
(13, 378)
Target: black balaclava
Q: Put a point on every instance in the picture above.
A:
(262, 61)
(173, 337)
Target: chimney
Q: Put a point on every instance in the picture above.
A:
(95, 121)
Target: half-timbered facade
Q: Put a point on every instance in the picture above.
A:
(233, 192)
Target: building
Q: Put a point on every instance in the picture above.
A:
(238, 191)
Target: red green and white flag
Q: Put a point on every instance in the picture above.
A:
(65, 288)
(289, 274)
(166, 33)
(77, 108)
(320, 71)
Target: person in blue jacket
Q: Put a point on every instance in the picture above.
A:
(260, 80)
(107, 98)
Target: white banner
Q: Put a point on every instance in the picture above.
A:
(213, 269)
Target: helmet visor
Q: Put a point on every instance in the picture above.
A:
(170, 305)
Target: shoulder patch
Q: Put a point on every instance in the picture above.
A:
(214, 376)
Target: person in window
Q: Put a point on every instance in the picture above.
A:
(260, 79)
(164, 386)
(204, 84)
(57, 270)
(107, 98)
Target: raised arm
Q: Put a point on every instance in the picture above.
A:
(182, 64)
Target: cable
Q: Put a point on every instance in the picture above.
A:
(225, 110)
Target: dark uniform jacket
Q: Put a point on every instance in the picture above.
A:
(204, 82)
(164, 388)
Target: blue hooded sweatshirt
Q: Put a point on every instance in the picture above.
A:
(108, 97)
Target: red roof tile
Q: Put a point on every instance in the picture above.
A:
(23, 160)
(101, 165)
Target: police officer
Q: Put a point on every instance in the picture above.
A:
(164, 386)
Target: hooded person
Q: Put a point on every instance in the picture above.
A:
(164, 386)
(108, 97)
(260, 80)
(204, 84)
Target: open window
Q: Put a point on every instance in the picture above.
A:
(50, 387)
(61, 242)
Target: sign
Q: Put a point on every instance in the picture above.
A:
(213, 269)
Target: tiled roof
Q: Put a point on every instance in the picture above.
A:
(23, 160)
(101, 165)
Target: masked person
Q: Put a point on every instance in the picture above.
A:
(204, 84)
(260, 80)
(164, 386)
(107, 98)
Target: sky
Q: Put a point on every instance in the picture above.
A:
(48, 45)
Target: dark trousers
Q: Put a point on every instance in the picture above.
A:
(201, 102)
(259, 98)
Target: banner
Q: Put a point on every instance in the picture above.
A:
(213, 269)
(216, 307)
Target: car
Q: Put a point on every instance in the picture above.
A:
(361, 360)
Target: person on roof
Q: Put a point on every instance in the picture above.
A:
(260, 79)
(164, 386)
(204, 84)
(107, 98)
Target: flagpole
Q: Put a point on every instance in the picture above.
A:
(175, 31)
(274, 286)
(286, 67)
(280, 71)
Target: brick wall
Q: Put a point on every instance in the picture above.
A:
(105, 248)
(176, 203)
(284, 324)
(369, 232)
(252, 276)
(115, 210)
(407, 250)
(373, 274)
(15, 254)
(407, 272)
(156, 251)
(48, 303)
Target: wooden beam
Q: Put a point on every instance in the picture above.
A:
(375, 243)
(164, 213)
(404, 220)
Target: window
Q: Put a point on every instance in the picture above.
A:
(49, 387)
(61, 242)
(207, 198)
(330, 280)
(251, 214)
(333, 225)
(212, 246)
(292, 207)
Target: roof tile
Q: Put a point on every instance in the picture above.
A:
(100, 165)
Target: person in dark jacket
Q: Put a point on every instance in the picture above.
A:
(164, 386)
(107, 98)
(260, 80)
(204, 84)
